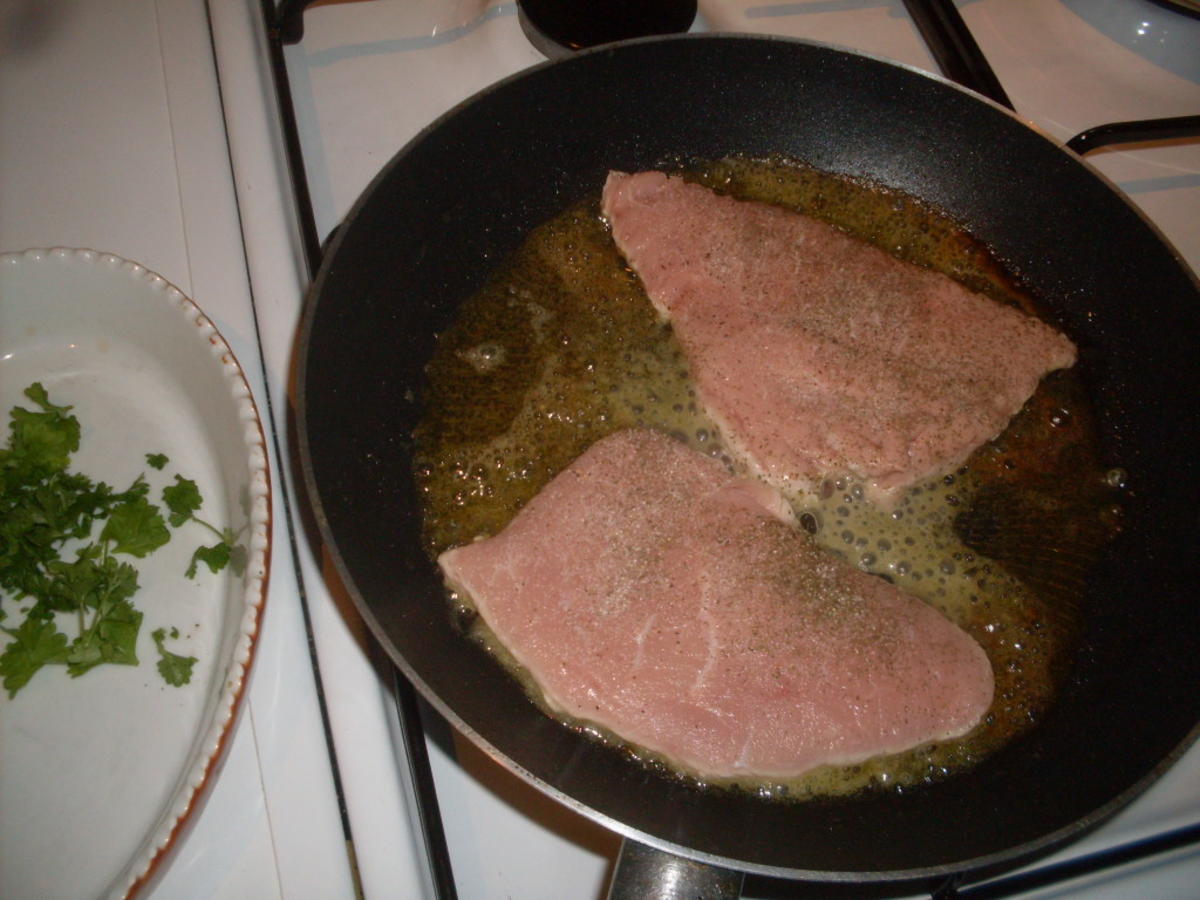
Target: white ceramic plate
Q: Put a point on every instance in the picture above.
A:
(98, 775)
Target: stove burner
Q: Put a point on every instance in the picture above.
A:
(557, 28)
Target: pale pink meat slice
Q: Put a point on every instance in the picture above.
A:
(817, 353)
(648, 591)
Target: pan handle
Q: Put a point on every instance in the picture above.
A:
(643, 873)
(1135, 132)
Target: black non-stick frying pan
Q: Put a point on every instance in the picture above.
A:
(449, 207)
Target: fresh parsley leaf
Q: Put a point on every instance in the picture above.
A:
(215, 557)
(182, 498)
(37, 393)
(38, 642)
(111, 639)
(40, 442)
(174, 668)
(91, 582)
(135, 527)
(156, 460)
(76, 585)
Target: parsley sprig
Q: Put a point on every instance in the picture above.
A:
(183, 499)
(174, 668)
(45, 509)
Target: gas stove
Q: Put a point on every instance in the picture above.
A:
(314, 112)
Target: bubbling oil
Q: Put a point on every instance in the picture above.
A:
(562, 347)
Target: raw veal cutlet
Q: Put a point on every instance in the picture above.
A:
(647, 590)
(819, 354)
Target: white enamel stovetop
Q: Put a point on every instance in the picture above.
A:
(148, 128)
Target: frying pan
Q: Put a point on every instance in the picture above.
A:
(463, 194)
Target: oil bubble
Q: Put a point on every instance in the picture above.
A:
(483, 357)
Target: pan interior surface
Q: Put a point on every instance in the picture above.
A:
(462, 196)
